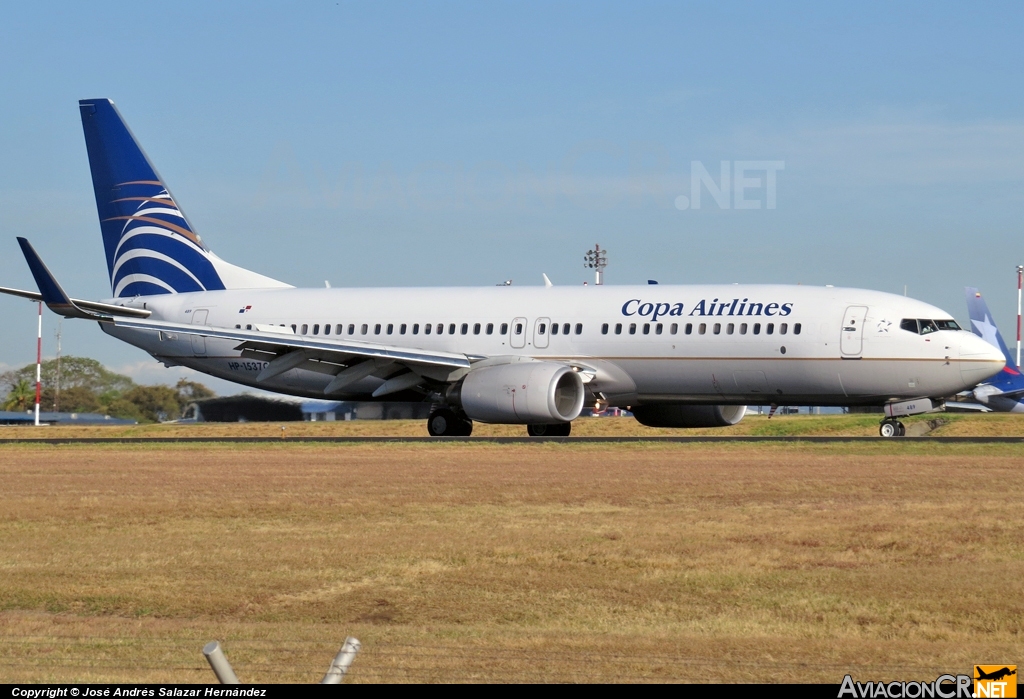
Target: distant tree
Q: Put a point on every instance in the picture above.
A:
(154, 403)
(74, 372)
(21, 395)
(79, 400)
(188, 391)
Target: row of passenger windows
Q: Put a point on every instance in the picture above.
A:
(389, 329)
(702, 328)
(555, 328)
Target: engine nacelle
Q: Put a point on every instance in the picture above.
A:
(522, 393)
(688, 415)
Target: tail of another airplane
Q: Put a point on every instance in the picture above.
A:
(1009, 379)
(151, 248)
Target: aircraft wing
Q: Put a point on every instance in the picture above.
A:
(285, 343)
(107, 308)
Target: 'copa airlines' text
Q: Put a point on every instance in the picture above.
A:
(732, 307)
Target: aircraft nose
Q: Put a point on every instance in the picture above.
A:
(978, 359)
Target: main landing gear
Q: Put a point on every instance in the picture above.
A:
(445, 423)
(891, 428)
(560, 429)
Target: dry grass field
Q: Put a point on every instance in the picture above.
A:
(862, 425)
(486, 562)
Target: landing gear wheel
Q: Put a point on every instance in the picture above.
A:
(445, 423)
(891, 428)
(560, 429)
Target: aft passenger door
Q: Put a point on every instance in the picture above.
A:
(199, 343)
(517, 333)
(851, 341)
(541, 329)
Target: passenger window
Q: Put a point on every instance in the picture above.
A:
(440, 328)
(554, 328)
(729, 328)
(604, 328)
(316, 329)
(909, 324)
(376, 329)
(490, 328)
(718, 328)
(769, 328)
(702, 328)
(351, 329)
(757, 328)
(632, 328)
(237, 326)
(451, 329)
(647, 328)
(618, 328)
(415, 328)
(464, 329)
(401, 329)
(565, 329)
(305, 328)
(293, 327)
(391, 328)
(674, 328)
(519, 328)
(579, 328)
(327, 328)
(504, 329)
(541, 328)
(338, 328)
(658, 328)
(689, 328)
(796, 328)
(783, 327)
(427, 327)
(743, 328)
(476, 328)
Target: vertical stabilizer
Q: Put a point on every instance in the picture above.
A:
(984, 327)
(151, 248)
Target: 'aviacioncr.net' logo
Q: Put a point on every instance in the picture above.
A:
(995, 681)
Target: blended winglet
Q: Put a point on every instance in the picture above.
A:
(53, 295)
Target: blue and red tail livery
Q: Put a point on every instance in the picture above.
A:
(1003, 391)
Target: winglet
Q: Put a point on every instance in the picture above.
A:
(53, 295)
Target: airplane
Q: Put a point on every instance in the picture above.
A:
(1003, 392)
(676, 356)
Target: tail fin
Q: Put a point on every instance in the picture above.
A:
(985, 328)
(151, 248)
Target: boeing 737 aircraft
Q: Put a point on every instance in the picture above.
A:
(1004, 392)
(678, 356)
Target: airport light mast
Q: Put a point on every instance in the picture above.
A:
(1020, 278)
(597, 260)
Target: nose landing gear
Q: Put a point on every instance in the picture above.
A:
(891, 428)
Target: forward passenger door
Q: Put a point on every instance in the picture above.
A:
(851, 342)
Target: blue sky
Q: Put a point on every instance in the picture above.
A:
(468, 143)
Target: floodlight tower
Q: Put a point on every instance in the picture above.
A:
(597, 260)
(1020, 279)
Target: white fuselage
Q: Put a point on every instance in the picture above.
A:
(677, 344)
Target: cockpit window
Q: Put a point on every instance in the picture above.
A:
(924, 326)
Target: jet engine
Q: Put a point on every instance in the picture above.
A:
(522, 393)
(688, 415)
